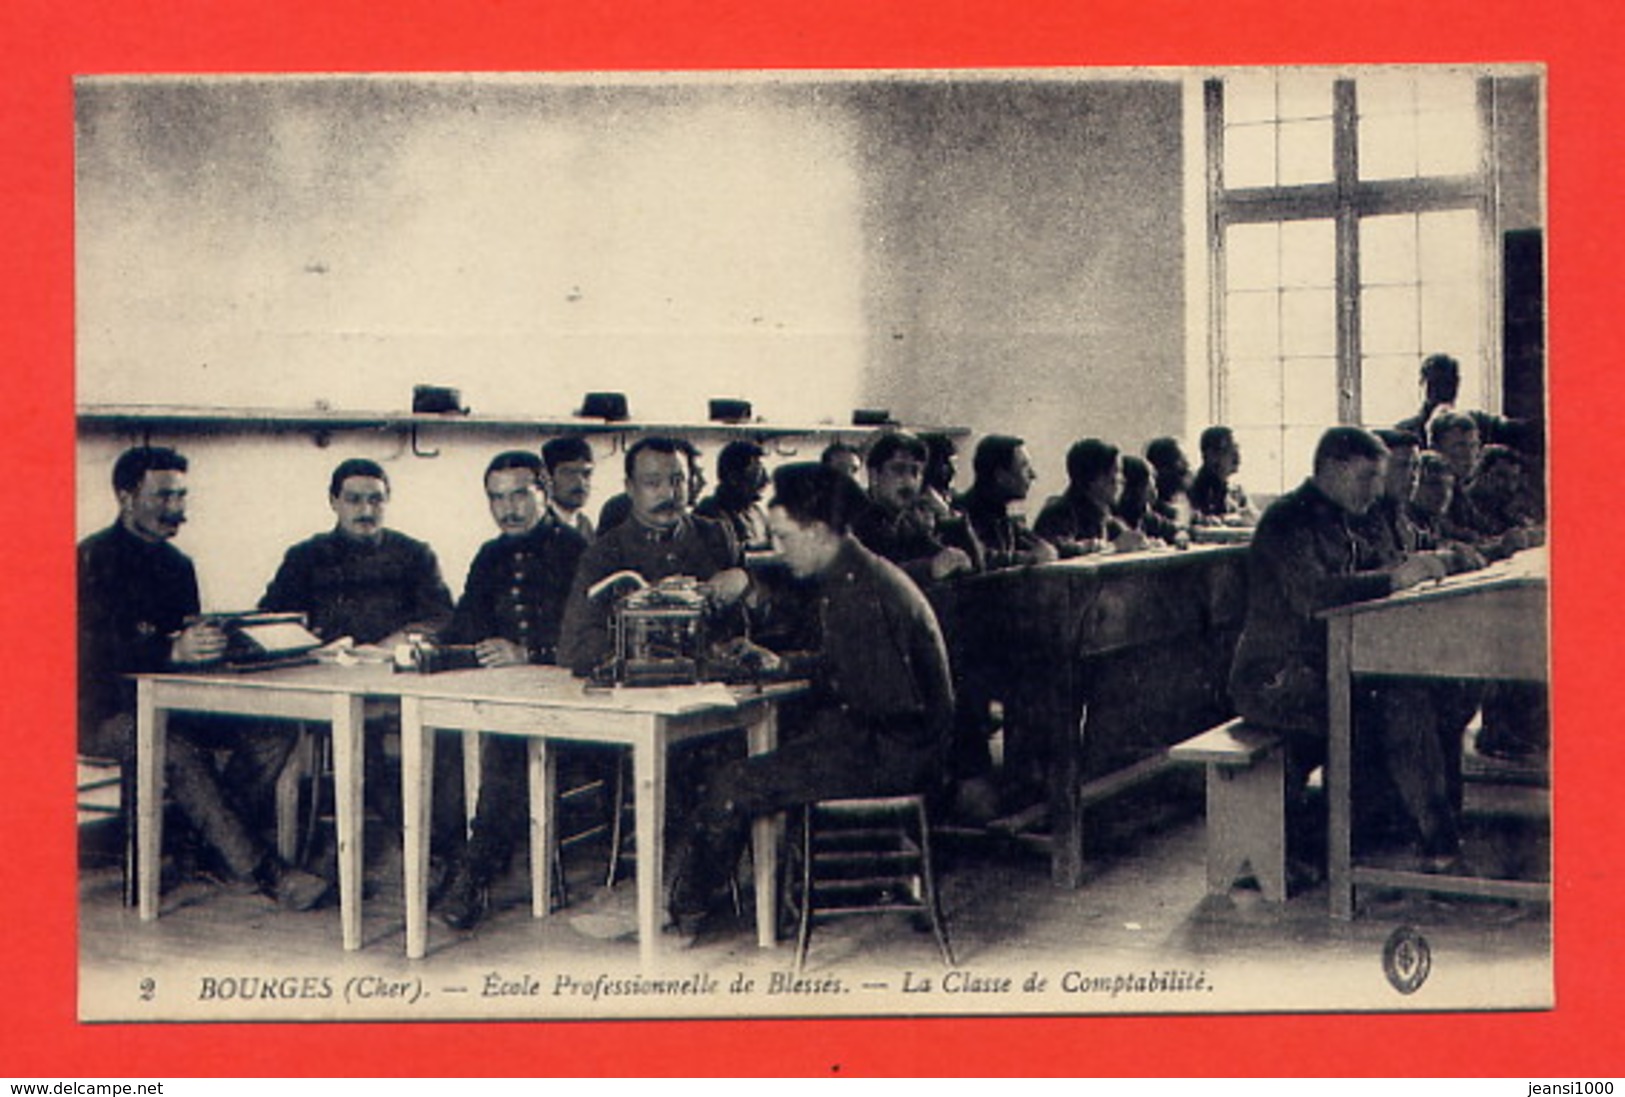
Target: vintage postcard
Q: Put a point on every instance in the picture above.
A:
(277, 273)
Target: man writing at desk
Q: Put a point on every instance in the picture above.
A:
(510, 611)
(136, 594)
(1307, 556)
(1080, 520)
(883, 700)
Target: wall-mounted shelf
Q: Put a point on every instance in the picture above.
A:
(321, 423)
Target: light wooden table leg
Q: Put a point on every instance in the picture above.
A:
(473, 743)
(542, 764)
(649, 780)
(151, 729)
(417, 793)
(762, 736)
(348, 727)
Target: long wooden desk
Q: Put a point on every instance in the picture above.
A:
(1485, 625)
(320, 693)
(539, 703)
(546, 703)
(1116, 657)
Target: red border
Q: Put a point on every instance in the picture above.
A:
(44, 44)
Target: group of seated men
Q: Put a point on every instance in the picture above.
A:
(901, 711)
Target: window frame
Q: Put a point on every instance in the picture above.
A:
(1345, 201)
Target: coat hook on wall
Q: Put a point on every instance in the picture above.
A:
(418, 451)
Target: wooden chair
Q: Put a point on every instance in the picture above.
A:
(106, 790)
(863, 857)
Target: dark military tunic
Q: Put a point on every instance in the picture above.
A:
(882, 711)
(516, 589)
(1006, 541)
(1071, 518)
(134, 595)
(696, 547)
(365, 591)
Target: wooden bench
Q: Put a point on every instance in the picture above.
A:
(1246, 805)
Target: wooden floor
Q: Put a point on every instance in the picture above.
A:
(1140, 936)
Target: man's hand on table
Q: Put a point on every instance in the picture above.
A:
(497, 652)
(202, 642)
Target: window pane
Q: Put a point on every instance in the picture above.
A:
(1308, 253)
(1388, 388)
(1447, 127)
(1260, 471)
(1384, 94)
(1249, 98)
(1388, 146)
(1449, 246)
(1249, 156)
(1447, 144)
(1309, 394)
(1251, 327)
(1450, 320)
(1306, 152)
(1453, 93)
(1304, 95)
(1388, 250)
(1388, 322)
(1253, 391)
(1252, 256)
(1471, 394)
(1298, 454)
(1309, 322)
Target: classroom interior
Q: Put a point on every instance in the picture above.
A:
(267, 267)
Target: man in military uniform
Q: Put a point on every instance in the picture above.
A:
(510, 611)
(138, 602)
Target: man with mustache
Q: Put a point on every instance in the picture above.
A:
(138, 605)
(510, 611)
(659, 539)
(899, 526)
(617, 508)
(361, 579)
(376, 586)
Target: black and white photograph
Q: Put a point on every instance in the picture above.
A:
(848, 543)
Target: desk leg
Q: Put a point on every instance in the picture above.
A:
(649, 799)
(417, 792)
(543, 767)
(762, 736)
(1339, 755)
(1068, 724)
(151, 727)
(473, 743)
(348, 724)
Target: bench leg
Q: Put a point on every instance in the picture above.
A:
(1246, 826)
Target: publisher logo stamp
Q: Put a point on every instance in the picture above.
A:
(1406, 960)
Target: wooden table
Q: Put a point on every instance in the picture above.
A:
(320, 692)
(1484, 625)
(547, 703)
(1117, 657)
